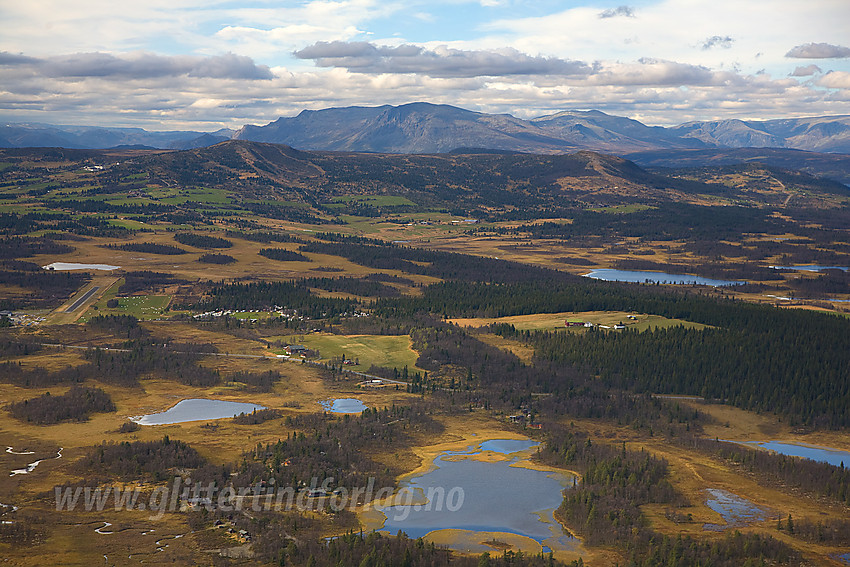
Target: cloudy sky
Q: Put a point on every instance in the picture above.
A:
(207, 64)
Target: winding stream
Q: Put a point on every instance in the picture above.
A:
(30, 467)
(11, 451)
(103, 527)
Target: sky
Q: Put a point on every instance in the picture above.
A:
(207, 64)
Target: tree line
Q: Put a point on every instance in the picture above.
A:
(283, 255)
(148, 248)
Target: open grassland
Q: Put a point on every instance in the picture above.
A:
(300, 390)
(380, 350)
(225, 343)
(249, 264)
(556, 321)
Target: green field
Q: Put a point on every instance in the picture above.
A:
(208, 196)
(556, 321)
(377, 200)
(136, 225)
(139, 306)
(389, 351)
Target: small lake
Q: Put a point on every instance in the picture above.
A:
(734, 510)
(196, 410)
(65, 266)
(343, 405)
(822, 454)
(463, 492)
(507, 446)
(611, 275)
(811, 268)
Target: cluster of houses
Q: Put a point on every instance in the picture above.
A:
(241, 535)
(21, 319)
(588, 325)
(525, 418)
(296, 350)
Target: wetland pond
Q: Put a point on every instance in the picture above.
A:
(828, 455)
(734, 510)
(343, 405)
(633, 276)
(481, 498)
(196, 410)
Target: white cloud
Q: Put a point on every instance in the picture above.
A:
(663, 61)
(677, 30)
(442, 61)
(655, 72)
(835, 80)
(819, 51)
(717, 41)
(139, 66)
(619, 11)
(806, 71)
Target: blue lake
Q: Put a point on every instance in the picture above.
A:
(734, 510)
(343, 405)
(196, 410)
(611, 275)
(811, 268)
(507, 446)
(463, 493)
(821, 454)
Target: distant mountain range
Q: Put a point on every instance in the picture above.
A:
(94, 137)
(429, 128)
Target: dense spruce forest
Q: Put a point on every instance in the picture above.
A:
(74, 405)
(220, 259)
(148, 248)
(202, 240)
(283, 255)
(141, 459)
